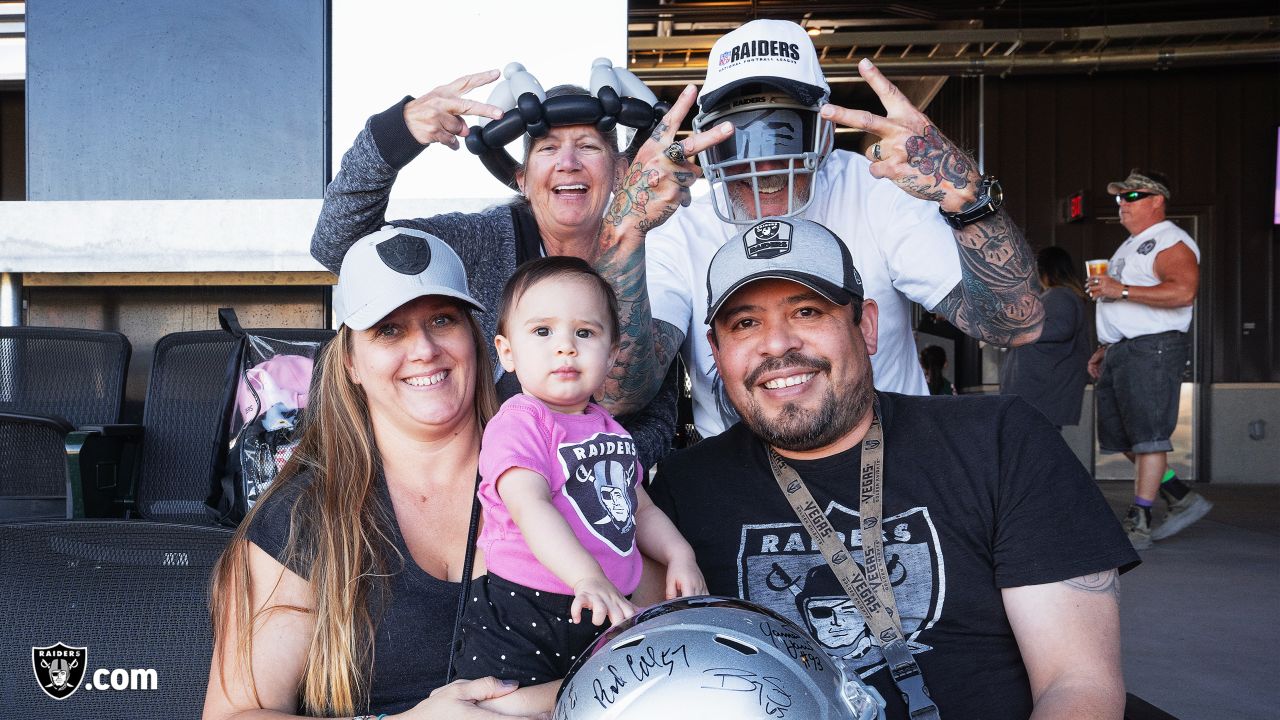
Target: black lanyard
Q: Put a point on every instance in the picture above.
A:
(468, 561)
(868, 587)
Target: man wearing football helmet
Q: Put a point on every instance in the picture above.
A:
(922, 223)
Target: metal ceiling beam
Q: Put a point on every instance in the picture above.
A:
(1003, 65)
(1190, 28)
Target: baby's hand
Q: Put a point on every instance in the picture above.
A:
(684, 579)
(603, 599)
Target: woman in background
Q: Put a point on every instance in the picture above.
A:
(933, 359)
(1051, 372)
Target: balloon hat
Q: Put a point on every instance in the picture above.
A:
(617, 97)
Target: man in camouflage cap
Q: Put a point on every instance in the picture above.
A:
(1144, 310)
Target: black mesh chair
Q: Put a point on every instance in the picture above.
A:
(184, 436)
(133, 594)
(51, 381)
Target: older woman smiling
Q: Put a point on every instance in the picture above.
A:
(568, 180)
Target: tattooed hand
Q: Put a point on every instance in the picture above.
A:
(650, 191)
(911, 151)
(655, 186)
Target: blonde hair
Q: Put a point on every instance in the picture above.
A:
(338, 531)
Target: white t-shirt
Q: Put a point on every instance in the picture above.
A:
(1134, 264)
(902, 248)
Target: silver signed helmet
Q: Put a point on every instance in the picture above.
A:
(707, 657)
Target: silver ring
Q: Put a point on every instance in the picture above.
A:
(875, 152)
(675, 151)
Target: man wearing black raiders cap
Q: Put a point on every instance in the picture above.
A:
(1004, 604)
(923, 225)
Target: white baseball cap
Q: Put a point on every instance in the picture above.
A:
(387, 269)
(777, 53)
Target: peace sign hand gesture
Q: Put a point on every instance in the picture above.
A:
(657, 183)
(912, 151)
(437, 116)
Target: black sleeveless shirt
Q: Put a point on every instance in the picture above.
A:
(413, 627)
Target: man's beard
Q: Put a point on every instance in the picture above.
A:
(796, 428)
(742, 198)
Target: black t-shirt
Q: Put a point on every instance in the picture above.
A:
(980, 493)
(413, 627)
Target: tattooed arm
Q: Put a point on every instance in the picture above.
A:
(646, 345)
(651, 191)
(997, 299)
(1069, 636)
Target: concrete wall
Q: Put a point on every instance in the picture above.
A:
(1235, 457)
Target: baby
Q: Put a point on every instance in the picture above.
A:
(565, 515)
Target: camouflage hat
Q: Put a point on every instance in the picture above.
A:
(1143, 180)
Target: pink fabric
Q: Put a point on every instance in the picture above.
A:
(282, 379)
(584, 458)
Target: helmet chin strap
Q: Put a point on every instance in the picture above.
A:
(617, 97)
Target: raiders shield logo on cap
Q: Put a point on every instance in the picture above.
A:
(768, 239)
(406, 254)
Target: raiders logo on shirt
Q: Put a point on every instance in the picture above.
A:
(781, 569)
(1146, 247)
(600, 484)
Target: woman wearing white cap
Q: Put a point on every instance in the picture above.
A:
(339, 594)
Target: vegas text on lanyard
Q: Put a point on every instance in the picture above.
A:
(869, 588)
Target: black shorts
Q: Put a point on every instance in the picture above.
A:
(514, 633)
(1138, 392)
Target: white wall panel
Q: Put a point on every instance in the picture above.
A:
(385, 50)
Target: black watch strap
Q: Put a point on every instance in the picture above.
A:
(990, 200)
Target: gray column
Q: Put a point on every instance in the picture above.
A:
(10, 299)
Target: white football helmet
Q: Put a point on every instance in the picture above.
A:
(765, 78)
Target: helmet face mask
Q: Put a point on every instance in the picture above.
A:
(777, 145)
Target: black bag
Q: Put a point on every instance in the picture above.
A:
(268, 381)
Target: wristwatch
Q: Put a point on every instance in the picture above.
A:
(1124, 294)
(990, 200)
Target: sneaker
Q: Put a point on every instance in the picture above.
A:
(1182, 514)
(1137, 525)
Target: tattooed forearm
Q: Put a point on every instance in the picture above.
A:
(998, 297)
(645, 346)
(645, 200)
(1102, 582)
(636, 378)
(643, 353)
